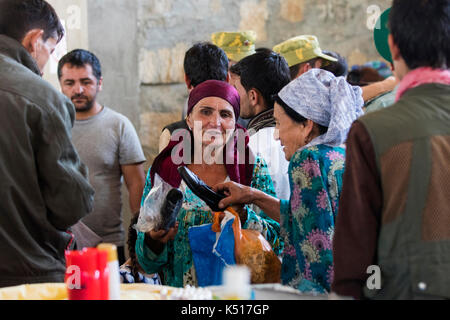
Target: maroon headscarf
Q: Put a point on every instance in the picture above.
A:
(240, 173)
(215, 88)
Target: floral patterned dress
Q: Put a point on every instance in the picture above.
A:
(175, 263)
(308, 218)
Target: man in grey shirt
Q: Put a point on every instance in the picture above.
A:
(108, 144)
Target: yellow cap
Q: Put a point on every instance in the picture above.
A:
(237, 45)
(111, 249)
(301, 49)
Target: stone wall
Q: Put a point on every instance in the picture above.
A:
(141, 44)
(113, 30)
(168, 28)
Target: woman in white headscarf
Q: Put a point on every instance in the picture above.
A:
(313, 115)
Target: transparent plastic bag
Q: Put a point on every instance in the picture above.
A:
(150, 214)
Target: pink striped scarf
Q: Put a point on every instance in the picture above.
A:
(421, 76)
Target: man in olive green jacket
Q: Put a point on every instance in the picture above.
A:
(392, 236)
(43, 185)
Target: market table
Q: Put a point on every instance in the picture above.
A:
(142, 291)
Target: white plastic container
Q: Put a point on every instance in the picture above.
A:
(236, 282)
(113, 266)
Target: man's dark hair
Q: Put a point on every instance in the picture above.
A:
(79, 58)
(17, 17)
(338, 68)
(363, 76)
(421, 30)
(205, 61)
(265, 71)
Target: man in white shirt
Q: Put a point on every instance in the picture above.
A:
(257, 78)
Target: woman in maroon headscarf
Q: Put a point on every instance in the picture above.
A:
(215, 149)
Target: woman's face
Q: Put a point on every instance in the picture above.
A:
(213, 121)
(291, 134)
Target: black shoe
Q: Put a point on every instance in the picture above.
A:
(170, 208)
(200, 189)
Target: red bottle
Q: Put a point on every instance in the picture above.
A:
(83, 278)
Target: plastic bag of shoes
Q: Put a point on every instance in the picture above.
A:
(160, 207)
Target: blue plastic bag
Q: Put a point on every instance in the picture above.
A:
(211, 251)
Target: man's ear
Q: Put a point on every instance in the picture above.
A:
(100, 84)
(305, 67)
(253, 97)
(31, 41)
(188, 82)
(395, 51)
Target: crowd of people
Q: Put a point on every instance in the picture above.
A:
(340, 169)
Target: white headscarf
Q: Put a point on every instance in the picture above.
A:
(327, 100)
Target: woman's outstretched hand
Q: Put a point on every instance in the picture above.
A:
(237, 194)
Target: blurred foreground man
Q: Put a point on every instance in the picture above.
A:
(43, 187)
(392, 237)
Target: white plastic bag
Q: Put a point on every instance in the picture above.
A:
(150, 213)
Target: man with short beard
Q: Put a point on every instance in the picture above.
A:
(107, 142)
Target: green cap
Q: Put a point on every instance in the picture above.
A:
(237, 45)
(380, 36)
(301, 49)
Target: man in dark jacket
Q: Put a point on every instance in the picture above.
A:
(43, 187)
(392, 236)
